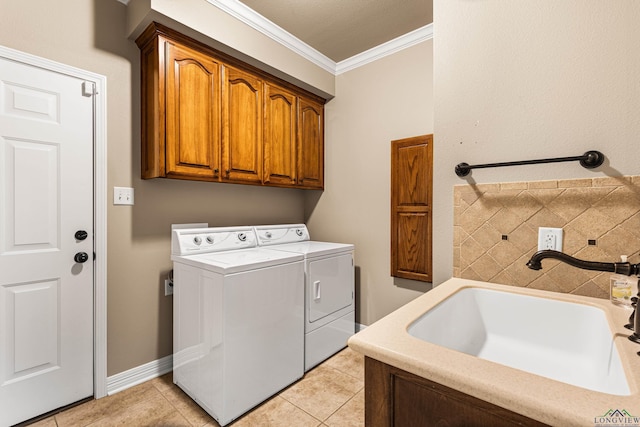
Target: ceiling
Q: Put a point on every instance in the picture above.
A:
(340, 29)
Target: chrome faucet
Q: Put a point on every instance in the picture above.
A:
(625, 268)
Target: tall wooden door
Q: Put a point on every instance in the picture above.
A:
(411, 211)
(242, 127)
(46, 241)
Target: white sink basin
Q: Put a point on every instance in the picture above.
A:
(564, 341)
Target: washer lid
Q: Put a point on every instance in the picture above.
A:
(311, 248)
(238, 261)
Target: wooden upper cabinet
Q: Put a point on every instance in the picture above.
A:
(242, 127)
(192, 113)
(310, 144)
(152, 142)
(208, 116)
(279, 135)
(411, 210)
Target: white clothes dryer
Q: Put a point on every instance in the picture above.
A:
(329, 287)
(238, 319)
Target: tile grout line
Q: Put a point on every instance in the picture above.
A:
(341, 406)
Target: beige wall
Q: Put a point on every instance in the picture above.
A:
(92, 35)
(389, 99)
(529, 80)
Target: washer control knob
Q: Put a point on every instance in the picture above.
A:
(197, 240)
(299, 232)
(268, 234)
(210, 239)
(242, 237)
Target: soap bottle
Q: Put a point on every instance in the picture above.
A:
(622, 287)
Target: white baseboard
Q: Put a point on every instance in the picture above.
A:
(139, 374)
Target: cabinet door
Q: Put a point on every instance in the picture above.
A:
(310, 144)
(411, 218)
(279, 136)
(394, 397)
(242, 127)
(192, 113)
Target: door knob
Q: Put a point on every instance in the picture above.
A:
(81, 235)
(81, 257)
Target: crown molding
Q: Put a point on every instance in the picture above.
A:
(392, 46)
(259, 23)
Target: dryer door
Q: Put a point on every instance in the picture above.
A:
(330, 285)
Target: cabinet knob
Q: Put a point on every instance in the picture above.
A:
(216, 170)
(227, 171)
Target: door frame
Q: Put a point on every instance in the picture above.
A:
(99, 204)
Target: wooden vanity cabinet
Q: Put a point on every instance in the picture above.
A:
(394, 397)
(208, 116)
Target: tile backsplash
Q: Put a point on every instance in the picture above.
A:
(496, 230)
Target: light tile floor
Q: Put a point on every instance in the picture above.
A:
(330, 395)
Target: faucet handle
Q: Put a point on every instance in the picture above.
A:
(634, 304)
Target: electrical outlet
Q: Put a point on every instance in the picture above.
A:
(550, 238)
(168, 288)
(122, 196)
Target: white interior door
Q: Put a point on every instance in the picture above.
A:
(46, 197)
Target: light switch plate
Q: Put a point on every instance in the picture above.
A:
(122, 196)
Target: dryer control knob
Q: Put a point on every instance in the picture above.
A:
(299, 232)
(197, 240)
(242, 237)
(210, 239)
(268, 234)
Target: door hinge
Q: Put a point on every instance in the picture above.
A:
(88, 89)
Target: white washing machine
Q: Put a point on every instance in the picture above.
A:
(238, 319)
(329, 287)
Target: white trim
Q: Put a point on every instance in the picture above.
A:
(259, 23)
(100, 207)
(139, 374)
(100, 239)
(393, 46)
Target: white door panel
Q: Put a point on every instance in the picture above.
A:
(31, 178)
(46, 195)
